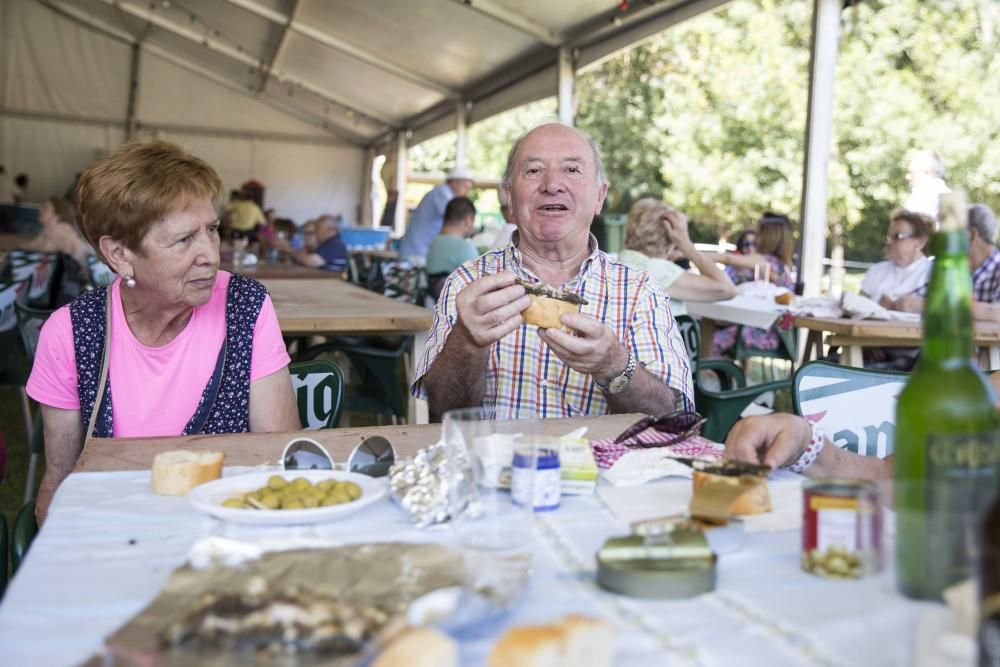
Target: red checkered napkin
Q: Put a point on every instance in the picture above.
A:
(606, 452)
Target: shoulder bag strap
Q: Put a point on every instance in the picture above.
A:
(103, 381)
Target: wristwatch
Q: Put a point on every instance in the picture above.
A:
(618, 384)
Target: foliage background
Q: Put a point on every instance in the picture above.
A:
(710, 115)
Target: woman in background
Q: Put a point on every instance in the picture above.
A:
(746, 244)
(59, 233)
(656, 235)
(773, 262)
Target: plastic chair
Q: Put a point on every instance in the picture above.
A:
(29, 326)
(15, 364)
(723, 406)
(22, 534)
(856, 407)
(319, 392)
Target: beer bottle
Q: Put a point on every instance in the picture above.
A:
(946, 443)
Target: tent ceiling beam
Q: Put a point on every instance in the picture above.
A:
(513, 19)
(282, 42)
(326, 39)
(238, 56)
(114, 32)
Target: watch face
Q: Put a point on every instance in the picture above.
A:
(617, 385)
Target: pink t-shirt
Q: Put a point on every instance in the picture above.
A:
(154, 390)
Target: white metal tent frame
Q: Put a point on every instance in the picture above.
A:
(299, 57)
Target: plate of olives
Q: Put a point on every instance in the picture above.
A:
(287, 497)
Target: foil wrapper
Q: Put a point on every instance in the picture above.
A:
(433, 487)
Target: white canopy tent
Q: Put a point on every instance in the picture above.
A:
(299, 94)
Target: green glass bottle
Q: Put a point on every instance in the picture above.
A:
(947, 429)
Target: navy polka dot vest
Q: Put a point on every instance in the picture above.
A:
(224, 406)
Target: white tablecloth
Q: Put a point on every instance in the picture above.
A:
(109, 544)
(741, 309)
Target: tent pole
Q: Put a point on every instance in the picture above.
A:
(365, 208)
(399, 222)
(567, 83)
(133, 91)
(819, 131)
(461, 138)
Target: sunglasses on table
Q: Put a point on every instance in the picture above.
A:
(681, 425)
(899, 236)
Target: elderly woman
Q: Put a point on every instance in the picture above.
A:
(907, 268)
(174, 346)
(59, 233)
(656, 234)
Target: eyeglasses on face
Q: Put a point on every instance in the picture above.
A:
(899, 236)
(681, 425)
(748, 244)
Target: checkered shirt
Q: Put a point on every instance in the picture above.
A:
(522, 373)
(986, 279)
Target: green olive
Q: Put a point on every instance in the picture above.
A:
(300, 484)
(352, 489)
(271, 501)
(233, 503)
(292, 504)
(276, 482)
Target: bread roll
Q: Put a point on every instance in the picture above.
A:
(587, 641)
(544, 312)
(529, 646)
(178, 471)
(573, 641)
(749, 494)
(419, 647)
(784, 298)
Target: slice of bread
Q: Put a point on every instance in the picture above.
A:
(544, 312)
(570, 642)
(419, 647)
(748, 494)
(177, 471)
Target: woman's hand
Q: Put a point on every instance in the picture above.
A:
(675, 224)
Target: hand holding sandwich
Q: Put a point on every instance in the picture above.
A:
(594, 350)
(490, 308)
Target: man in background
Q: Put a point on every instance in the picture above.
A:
(925, 174)
(428, 218)
(452, 247)
(330, 253)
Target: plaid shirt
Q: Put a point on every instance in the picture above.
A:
(522, 373)
(986, 279)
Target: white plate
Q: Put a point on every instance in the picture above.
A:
(209, 497)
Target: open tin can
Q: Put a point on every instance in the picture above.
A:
(841, 528)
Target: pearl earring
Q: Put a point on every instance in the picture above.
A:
(129, 280)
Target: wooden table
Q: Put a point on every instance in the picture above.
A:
(334, 307)
(251, 449)
(13, 241)
(273, 270)
(855, 335)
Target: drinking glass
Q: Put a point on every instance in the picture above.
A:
(494, 533)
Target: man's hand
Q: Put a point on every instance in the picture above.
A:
(594, 351)
(775, 440)
(490, 308)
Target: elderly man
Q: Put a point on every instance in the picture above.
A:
(328, 251)
(427, 219)
(984, 260)
(925, 174)
(626, 354)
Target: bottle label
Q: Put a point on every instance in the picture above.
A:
(960, 484)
